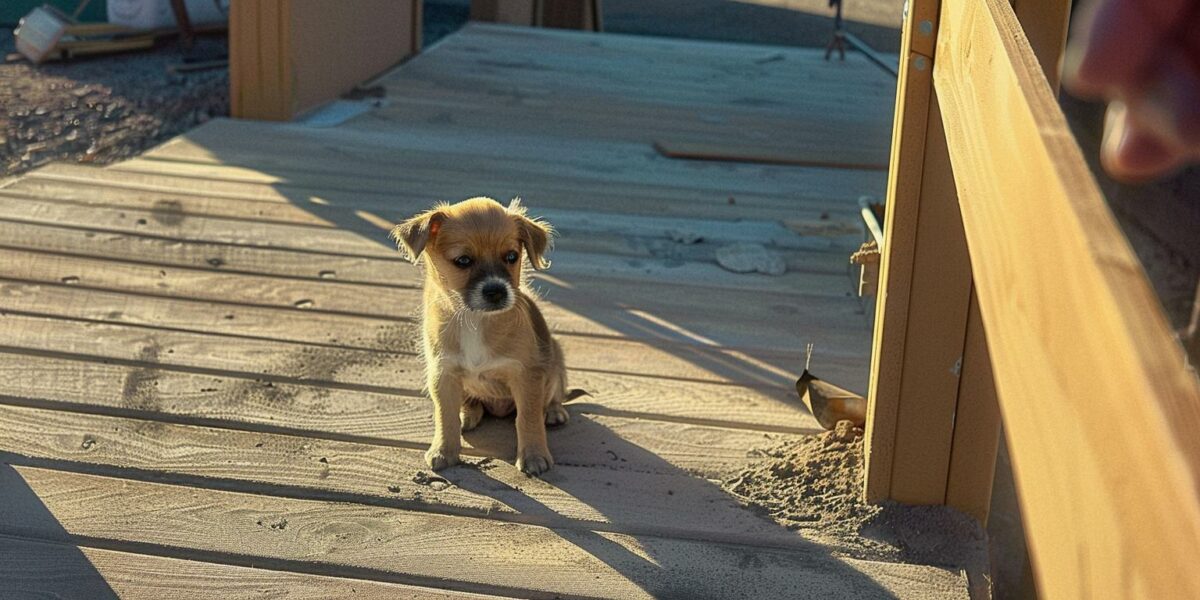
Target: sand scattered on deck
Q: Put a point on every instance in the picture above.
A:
(813, 483)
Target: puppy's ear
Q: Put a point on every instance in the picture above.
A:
(537, 236)
(414, 234)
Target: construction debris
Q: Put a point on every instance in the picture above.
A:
(827, 402)
(867, 258)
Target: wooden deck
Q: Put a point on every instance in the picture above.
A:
(208, 385)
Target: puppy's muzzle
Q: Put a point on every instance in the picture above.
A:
(490, 295)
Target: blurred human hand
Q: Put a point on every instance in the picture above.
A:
(1143, 57)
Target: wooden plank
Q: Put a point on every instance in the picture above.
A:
(199, 228)
(274, 49)
(578, 231)
(755, 368)
(307, 246)
(696, 199)
(684, 67)
(36, 568)
(673, 400)
(828, 156)
(570, 270)
(203, 255)
(567, 14)
(921, 311)
(939, 291)
(513, 12)
(914, 88)
(1080, 343)
(338, 539)
(111, 188)
(571, 497)
(976, 426)
(593, 159)
(663, 314)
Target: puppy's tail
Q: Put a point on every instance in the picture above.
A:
(576, 393)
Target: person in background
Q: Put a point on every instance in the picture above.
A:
(1143, 57)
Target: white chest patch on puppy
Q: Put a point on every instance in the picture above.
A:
(474, 349)
(480, 365)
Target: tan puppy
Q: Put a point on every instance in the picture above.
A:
(487, 346)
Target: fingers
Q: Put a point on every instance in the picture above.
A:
(1140, 56)
(1133, 153)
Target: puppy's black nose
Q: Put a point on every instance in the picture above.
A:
(494, 293)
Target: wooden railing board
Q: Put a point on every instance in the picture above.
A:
(1099, 408)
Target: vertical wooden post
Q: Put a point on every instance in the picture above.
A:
(932, 426)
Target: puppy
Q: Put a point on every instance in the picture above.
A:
(486, 345)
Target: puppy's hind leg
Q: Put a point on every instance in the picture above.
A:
(471, 413)
(556, 392)
(447, 393)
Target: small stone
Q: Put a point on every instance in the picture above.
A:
(750, 258)
(684, 236)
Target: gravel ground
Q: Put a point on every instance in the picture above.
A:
(102, 109)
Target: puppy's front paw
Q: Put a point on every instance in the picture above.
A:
(556, 414)
(440, 458)
(535, 462)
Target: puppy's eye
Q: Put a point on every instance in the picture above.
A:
(463, 261)
(511, 257)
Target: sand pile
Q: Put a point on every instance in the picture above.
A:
(814, 483)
